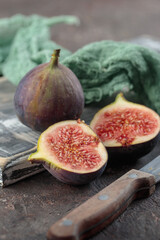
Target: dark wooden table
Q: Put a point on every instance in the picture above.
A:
(29, 207)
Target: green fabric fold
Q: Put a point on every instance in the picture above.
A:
(103, 68)
(107, 67)
(25, 43)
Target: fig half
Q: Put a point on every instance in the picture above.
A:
(127, 128)
(71, 152)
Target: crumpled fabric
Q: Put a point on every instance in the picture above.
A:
(103, 68)
(25, 43)
(107, 67)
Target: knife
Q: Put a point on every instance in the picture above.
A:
(101, 209)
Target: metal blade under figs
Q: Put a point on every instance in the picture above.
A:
(153, 168)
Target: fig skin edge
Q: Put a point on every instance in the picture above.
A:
(47, 94)
(139, 147)
(59, 171)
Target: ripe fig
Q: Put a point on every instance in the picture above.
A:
(47, 94)
(71, 152)
(126, 128)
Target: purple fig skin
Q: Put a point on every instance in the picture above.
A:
(47, 94)
(132, 152)
(74, 178)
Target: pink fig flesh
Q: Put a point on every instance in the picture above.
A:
(71, 152)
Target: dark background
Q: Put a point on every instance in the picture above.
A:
(29, 207)
(100, 19)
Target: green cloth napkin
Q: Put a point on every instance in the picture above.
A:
(103, 68)
(25, 43)
(107, 67)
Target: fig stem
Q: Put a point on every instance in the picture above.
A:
(54, 58)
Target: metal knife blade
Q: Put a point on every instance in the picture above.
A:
(153, 168)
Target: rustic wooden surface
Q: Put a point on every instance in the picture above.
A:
(29, 207)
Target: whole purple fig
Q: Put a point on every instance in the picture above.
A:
(47, 94)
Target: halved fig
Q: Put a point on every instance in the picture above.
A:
(71, 152)
(127, 128)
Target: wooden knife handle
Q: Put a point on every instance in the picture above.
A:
(100, 210)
